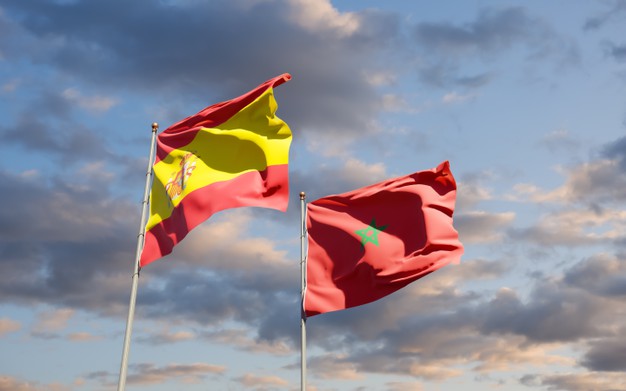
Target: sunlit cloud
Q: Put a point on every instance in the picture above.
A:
(253, 381)
(8, 326)
(53, 321)
(321, 16)
(83, 336)
(333, 366)
(187, 373)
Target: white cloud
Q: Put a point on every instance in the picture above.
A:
(222, 243)
(578, 227)
(380, 78)
(92, 103)
(320, 16)
(454, 97)
(396, 103)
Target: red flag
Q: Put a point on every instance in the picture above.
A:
(370, 242)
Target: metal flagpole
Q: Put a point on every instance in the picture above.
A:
(140, 241)
(302, 291)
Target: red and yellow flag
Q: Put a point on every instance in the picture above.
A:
(229, 155)
(370, 242)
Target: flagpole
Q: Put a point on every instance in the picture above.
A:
(302, 291)
(140, 241)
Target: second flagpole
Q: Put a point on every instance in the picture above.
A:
(302, 291)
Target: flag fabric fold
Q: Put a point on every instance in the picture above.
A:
(368, 243)
(231, 154)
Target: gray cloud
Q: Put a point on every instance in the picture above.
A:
(617, 52)
(610, 15)
(482, 227)
(82, 236)
(616, 150)
(606, 355)
(576, 381)
(554, 314)
(493, 32)
(69, 141)
(136, 49)
(493, 332)
(601, 275)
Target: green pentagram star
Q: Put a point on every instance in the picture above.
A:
(370, 234)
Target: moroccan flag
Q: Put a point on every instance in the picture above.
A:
(370, 242)
(230, 154)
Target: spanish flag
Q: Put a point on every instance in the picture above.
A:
(229, 155)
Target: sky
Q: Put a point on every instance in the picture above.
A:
(525, 99)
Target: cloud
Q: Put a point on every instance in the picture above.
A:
(610, 15)
(8, 383)
(404, 386)
(187, 373)
(53, 321)
(333, 366)
(70, 141)
(616, 52)
(335, 176)
(494, 30)
(435, 327)
(597, 181)
(482, 226)
(325, 95)
(83, 336)
(322, 17)
(10, 86)
(606, 355)
(471, 191)
(76, 266)
(8, 326)
(560, 140)
(92, 103)
(577, 381)
(554, 315)
(241, 340)
(575, 227)
(254, 381)
(616, 150)
(454, 97)
(602, 274)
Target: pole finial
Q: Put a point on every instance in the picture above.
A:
(155, 126)
(302, 195)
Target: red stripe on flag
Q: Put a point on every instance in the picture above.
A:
(268, 189)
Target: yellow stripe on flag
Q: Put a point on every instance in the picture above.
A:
(251, 140)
